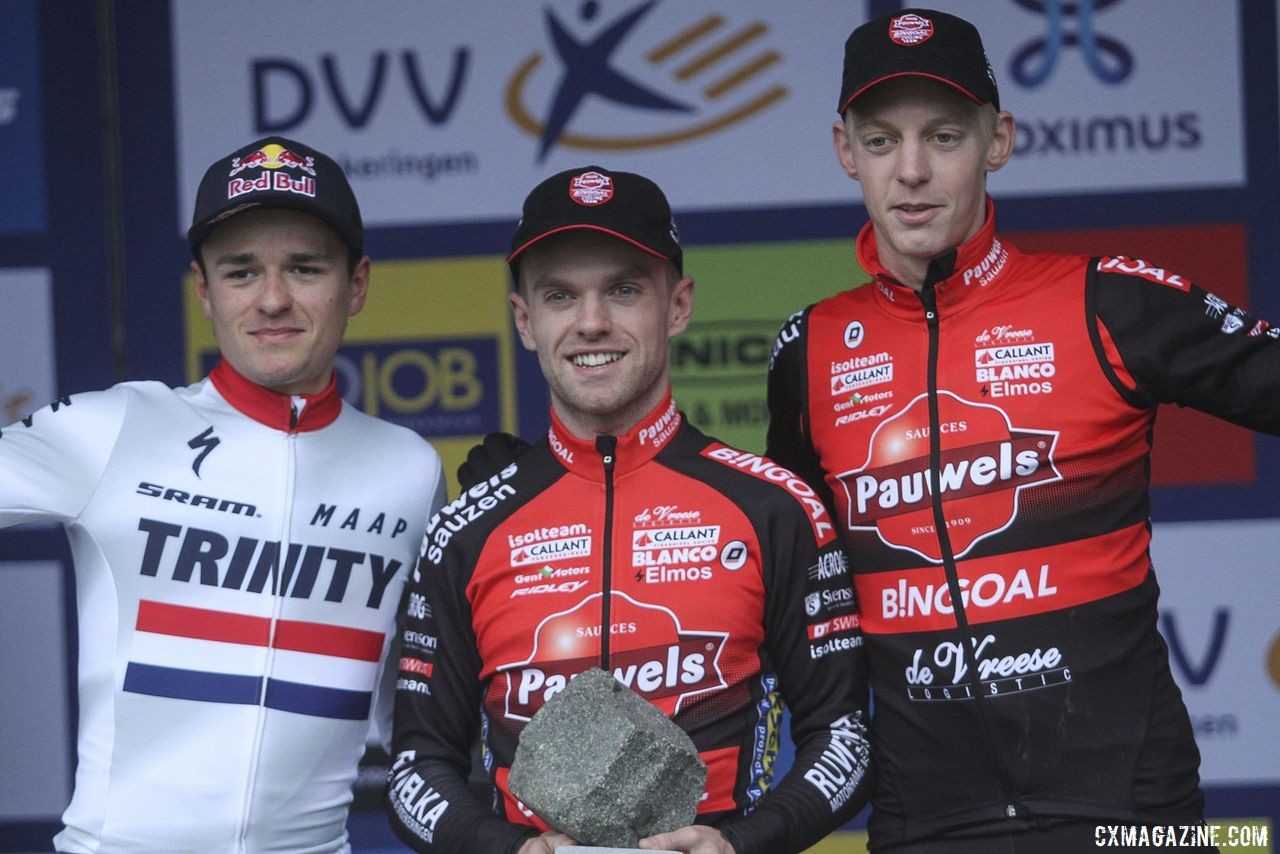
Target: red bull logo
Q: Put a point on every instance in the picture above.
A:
(272, 156)
(280, 181)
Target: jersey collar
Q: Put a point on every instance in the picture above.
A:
(635, 447)
(960, 277)
(313, 411)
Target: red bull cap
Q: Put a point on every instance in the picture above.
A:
(274, 172)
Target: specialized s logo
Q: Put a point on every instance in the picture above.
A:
(204, 443)
(986, 463)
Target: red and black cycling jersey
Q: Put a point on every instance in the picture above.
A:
(984, 444)
(707, 579)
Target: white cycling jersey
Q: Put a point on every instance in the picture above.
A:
(239, 558)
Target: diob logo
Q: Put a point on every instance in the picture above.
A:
(986, 463)
(693, 77)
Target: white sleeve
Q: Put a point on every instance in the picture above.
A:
(385, 695)
(52, 461)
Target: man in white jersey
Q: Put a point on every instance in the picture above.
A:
(240, 544)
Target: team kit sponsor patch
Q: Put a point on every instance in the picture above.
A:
(986, 462)
(673, 665)
(278, 165)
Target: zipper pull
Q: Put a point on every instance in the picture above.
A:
(296, 405)
(930, 301)
(607, 446)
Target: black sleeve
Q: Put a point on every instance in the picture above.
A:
(814, 640)
(787, 442)
(1178, 343)
(437, 715)
(491, 456)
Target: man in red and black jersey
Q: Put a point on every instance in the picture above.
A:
(707, 579)
(980, 420)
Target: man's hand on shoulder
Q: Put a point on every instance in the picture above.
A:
(694, 839)
(496, 452)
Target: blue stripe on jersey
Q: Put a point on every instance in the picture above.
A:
(192, 684)
(318, 701)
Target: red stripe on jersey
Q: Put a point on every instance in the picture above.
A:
(206, 624)
(1003, 587)
(1113, 356)
(323, 639)
(202, 623)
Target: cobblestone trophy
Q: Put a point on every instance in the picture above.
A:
(602, 764)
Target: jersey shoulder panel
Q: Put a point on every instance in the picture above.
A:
(409, 452)
(460, 528)
(1037, 269)
(54, 460)
(97, 410)
(839, 302)
(763, 488)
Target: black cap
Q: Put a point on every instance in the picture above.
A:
(627, 206)
(919, 42)
(275, 172)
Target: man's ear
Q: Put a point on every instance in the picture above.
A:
(202, 290)
(1002, 139)
(681, 307)
(844, 148)
(359, 286)
(520, 312)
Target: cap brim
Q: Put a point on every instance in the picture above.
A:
(874, 83)
(515, 253)
(197, 234)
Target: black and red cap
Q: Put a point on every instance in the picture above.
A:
(627, 206)
(921, 43)
(275, 172)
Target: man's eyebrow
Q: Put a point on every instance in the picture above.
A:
(629, 271)
(305, 257)
(235, 259)
(546, 282)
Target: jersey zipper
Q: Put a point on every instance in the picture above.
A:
(928, 297)
(277, 606)
(608, 448)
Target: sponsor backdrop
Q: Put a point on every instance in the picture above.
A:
(1136, 136)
